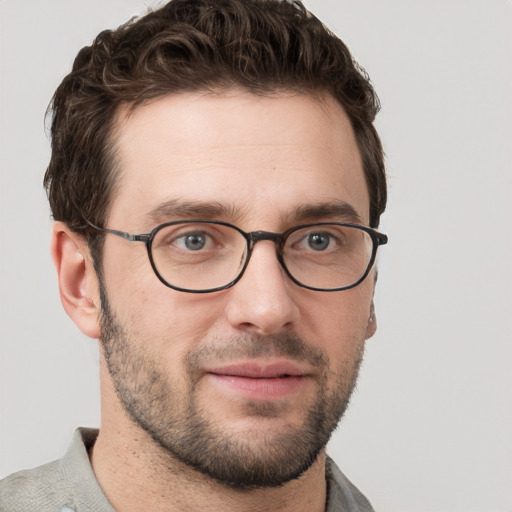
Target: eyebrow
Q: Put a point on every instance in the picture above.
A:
(193, 209)
(335, 210)
(339, 210)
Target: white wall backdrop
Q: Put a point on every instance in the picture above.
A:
(430, 427)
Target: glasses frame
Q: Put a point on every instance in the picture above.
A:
(251, 239)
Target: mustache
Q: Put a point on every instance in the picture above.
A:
(254, 346)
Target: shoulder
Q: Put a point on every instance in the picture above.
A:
(342, 494)
(65, 485)
(43, 489)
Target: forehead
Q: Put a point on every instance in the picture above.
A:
(254, 155)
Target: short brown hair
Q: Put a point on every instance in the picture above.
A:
(262, 46)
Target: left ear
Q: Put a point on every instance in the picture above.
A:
(372, 322)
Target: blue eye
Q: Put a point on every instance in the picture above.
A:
(195, 241)
(318, 241)
(192, 241)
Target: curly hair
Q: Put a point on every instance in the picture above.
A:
(262, 46)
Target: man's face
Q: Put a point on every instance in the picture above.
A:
(245, 384)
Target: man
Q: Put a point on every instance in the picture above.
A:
(216, 181)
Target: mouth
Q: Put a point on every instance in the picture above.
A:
(259, 381)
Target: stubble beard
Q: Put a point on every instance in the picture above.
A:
(240, 460)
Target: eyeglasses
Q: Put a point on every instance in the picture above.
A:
(201, 256)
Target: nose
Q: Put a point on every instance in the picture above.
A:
(261, 302)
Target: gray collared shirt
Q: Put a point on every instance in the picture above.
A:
(69, 485)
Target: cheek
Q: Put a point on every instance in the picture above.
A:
(170, 322)
(339, 321)
(127, 271)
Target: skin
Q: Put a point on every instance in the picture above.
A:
(260, 158)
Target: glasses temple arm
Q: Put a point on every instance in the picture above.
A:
(122, 234)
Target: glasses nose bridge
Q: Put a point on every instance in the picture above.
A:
(257, 236)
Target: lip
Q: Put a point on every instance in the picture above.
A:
(260, 370)
(259, 380)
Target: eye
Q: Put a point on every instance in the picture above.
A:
(318, 241)
(193, 241)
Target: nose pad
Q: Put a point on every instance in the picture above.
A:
(262, 301)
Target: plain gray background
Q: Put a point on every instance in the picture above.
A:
(430, 426)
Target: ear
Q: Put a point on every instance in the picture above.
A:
(78, 284)
(371, 328)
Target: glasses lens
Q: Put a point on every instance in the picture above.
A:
(328, 256)
(198, 255)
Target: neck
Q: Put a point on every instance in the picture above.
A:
(136, 473)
